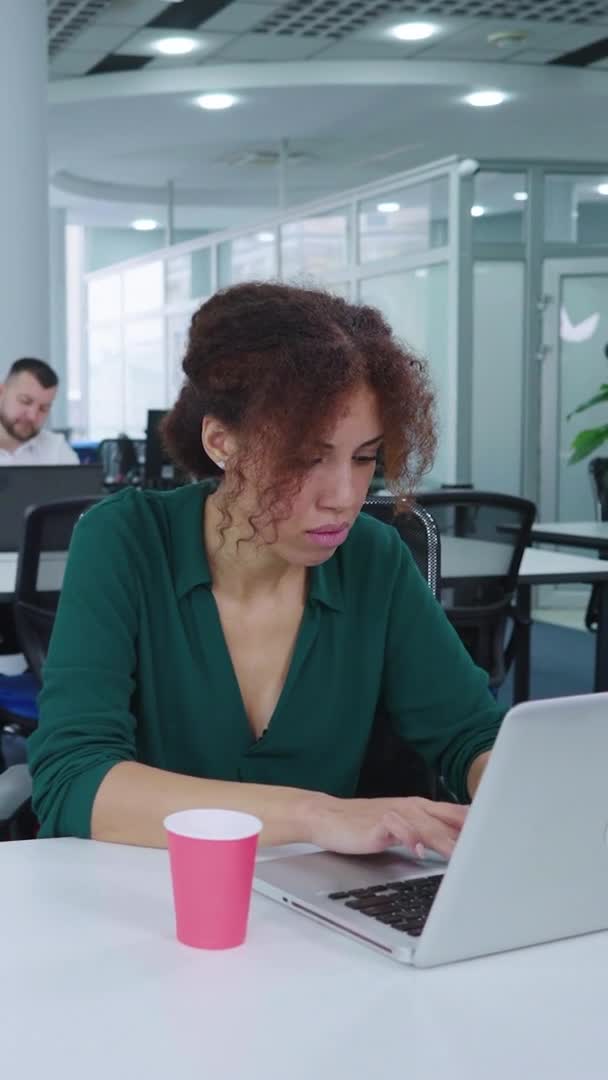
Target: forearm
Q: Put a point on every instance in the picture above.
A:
(133, 799)
(475, 772)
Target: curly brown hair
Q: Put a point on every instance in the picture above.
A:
(275, 364)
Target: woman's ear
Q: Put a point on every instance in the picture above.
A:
(218, 443)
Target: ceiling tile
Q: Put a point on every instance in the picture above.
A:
(238, 18)
(69, 62)
(103, 39)
(270, 47)
(133, 13)
(142, 43)
(356, 49)
(535, 56)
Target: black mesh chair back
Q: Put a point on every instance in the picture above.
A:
(417, 528)
(48, 528)
(483, 538)
(598, 472)
(391, 766)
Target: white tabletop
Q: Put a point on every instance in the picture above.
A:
(50, 574)
(587, 531)
(469, 558)
(95, 985)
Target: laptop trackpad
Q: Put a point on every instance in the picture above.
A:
(324, 872)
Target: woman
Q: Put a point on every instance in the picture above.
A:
(229, 644)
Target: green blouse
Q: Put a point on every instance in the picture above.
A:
(138, 669)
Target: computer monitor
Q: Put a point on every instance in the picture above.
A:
(159, 471)
(22, 486)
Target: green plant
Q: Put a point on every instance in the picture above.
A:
(591, 438)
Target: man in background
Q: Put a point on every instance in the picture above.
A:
(26, 397)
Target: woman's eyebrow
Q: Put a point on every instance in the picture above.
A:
(368, 442)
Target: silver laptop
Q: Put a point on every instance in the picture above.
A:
(530, 865)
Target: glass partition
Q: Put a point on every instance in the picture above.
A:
(498, 338)
(499, 207)
(144, 372)
(105, 396)
(248, 258)
(143, 288)
(315, 245)
(415, 303)
(576, 208)
(404, 222)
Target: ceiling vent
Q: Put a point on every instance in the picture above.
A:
(67, 18)
(336, 19)
(264, 158)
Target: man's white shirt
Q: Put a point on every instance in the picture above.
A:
(46, 448)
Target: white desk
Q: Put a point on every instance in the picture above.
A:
(50, 575)
(95, 986)
(584, 534)
(463, 559)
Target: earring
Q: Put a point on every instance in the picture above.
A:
(221, 464)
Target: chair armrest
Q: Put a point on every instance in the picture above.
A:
(15, 793)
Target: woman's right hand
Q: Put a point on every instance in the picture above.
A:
(366, 826)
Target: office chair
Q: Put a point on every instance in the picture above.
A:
(483, 609)
(598, 473)
(47, 527)
(391, 767)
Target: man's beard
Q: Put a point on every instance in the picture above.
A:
(15, 432)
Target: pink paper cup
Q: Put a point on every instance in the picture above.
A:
(212, 856)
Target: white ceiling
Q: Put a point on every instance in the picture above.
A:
(354, 109)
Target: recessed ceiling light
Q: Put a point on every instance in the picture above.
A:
(602, 189)
(388, 207)
(216, 101)
(414, 31)
(421, 272)
(266, 237)
(176, 46)
(144, 224)
(485, 99)
(522, 196)
(478, 211)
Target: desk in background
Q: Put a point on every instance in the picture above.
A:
(463, 559)
(95, 985)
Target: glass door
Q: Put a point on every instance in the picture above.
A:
(575, 363)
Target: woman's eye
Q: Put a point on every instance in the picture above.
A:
(366, 460)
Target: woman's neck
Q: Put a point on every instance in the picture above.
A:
(248, 569)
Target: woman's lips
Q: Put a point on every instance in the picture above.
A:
(329, 536)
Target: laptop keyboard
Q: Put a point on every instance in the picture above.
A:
(404, 905)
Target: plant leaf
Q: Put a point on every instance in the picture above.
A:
(602, 395)
(586, 442)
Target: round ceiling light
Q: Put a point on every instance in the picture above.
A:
(388, 207)
(520, 196)
(216, 101)
(266, 237)
(478, 211)
(602, 189)
(176, 46)
(414, 31)
(485, 99)
(144, 224)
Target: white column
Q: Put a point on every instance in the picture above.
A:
(24, 220)
(58, 357)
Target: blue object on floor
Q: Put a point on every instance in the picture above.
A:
(19, 694)
(562, 663)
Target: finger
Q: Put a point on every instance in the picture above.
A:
(435, 835)
(402, 831)
(449, 813)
